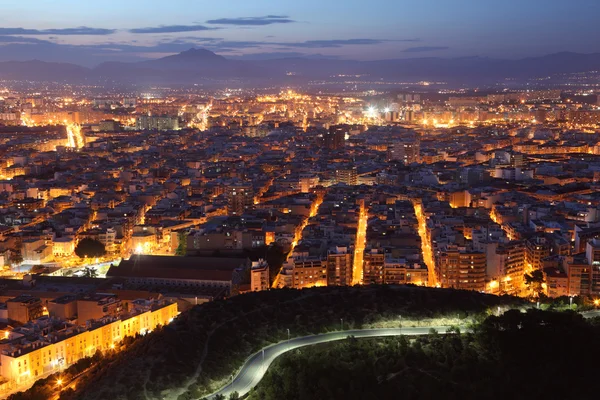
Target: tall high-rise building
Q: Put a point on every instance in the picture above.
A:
(339, 266)
(259, 276)
(157, 123)
(536, 249)
(240, 198)
(407, 150)
(335, 137)
(461, 268)
(409, 98)
(374, 262)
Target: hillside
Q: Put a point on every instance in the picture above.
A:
(538, 355)
(220, 335)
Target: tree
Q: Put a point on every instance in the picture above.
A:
(182, 247)
(90, 248)
(234, 396)
(275, 257)
(89, 272)
(16, 259)
(534, 281)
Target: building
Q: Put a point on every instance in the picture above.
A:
(308, 271)
(63, 307)
(157, 123)
(461, 268)
(240, 198)
(335, 137)
(409, 97)
(339, 266)
(536, 250)
(96, 306)
(307, 181)
(165, 271)
(407, 150)
(398, 271)
(143, 240)
(129, 102)
(35, 251)
(259, 276)
(24, 308)
(109, 125)
(374, 262)
(63, 246)
(60, 345)
(348, 176)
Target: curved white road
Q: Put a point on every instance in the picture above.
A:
(256, 366)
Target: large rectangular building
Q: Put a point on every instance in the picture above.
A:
(168, 271)
(23, 361)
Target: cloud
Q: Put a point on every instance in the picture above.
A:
(423, 49)
(320, 44)
(173, 29)
(279, 55)
(22, 40)
(82, 30)
(253, 21)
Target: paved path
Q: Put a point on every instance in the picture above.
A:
(256, 366)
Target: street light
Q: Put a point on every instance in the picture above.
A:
(342, 323)
(570, 301)
(288, 331)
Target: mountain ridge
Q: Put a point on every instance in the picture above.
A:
(200, 64)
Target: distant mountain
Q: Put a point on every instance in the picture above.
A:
(199, 65)
(189, 58)
(36, 70)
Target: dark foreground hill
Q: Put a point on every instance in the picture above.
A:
(538, 355)
(204, 346)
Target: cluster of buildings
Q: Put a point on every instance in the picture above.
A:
(50, 323)
(195, 198)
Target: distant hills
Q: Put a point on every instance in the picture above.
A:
(203, 66)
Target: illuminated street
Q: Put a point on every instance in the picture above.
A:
(359, 247)
(425, 244)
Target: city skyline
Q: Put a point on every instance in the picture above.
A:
(192, 191)
(111, 31)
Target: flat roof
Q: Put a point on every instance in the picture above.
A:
(190, 268)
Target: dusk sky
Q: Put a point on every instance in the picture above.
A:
(89, 32)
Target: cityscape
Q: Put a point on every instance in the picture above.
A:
(212, 218)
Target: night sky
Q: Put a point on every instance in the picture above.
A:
(90, 32)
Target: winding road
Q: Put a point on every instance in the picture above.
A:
(256, 366)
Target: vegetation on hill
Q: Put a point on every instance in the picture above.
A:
(202, 348)
(533, 355)
(90, 248)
